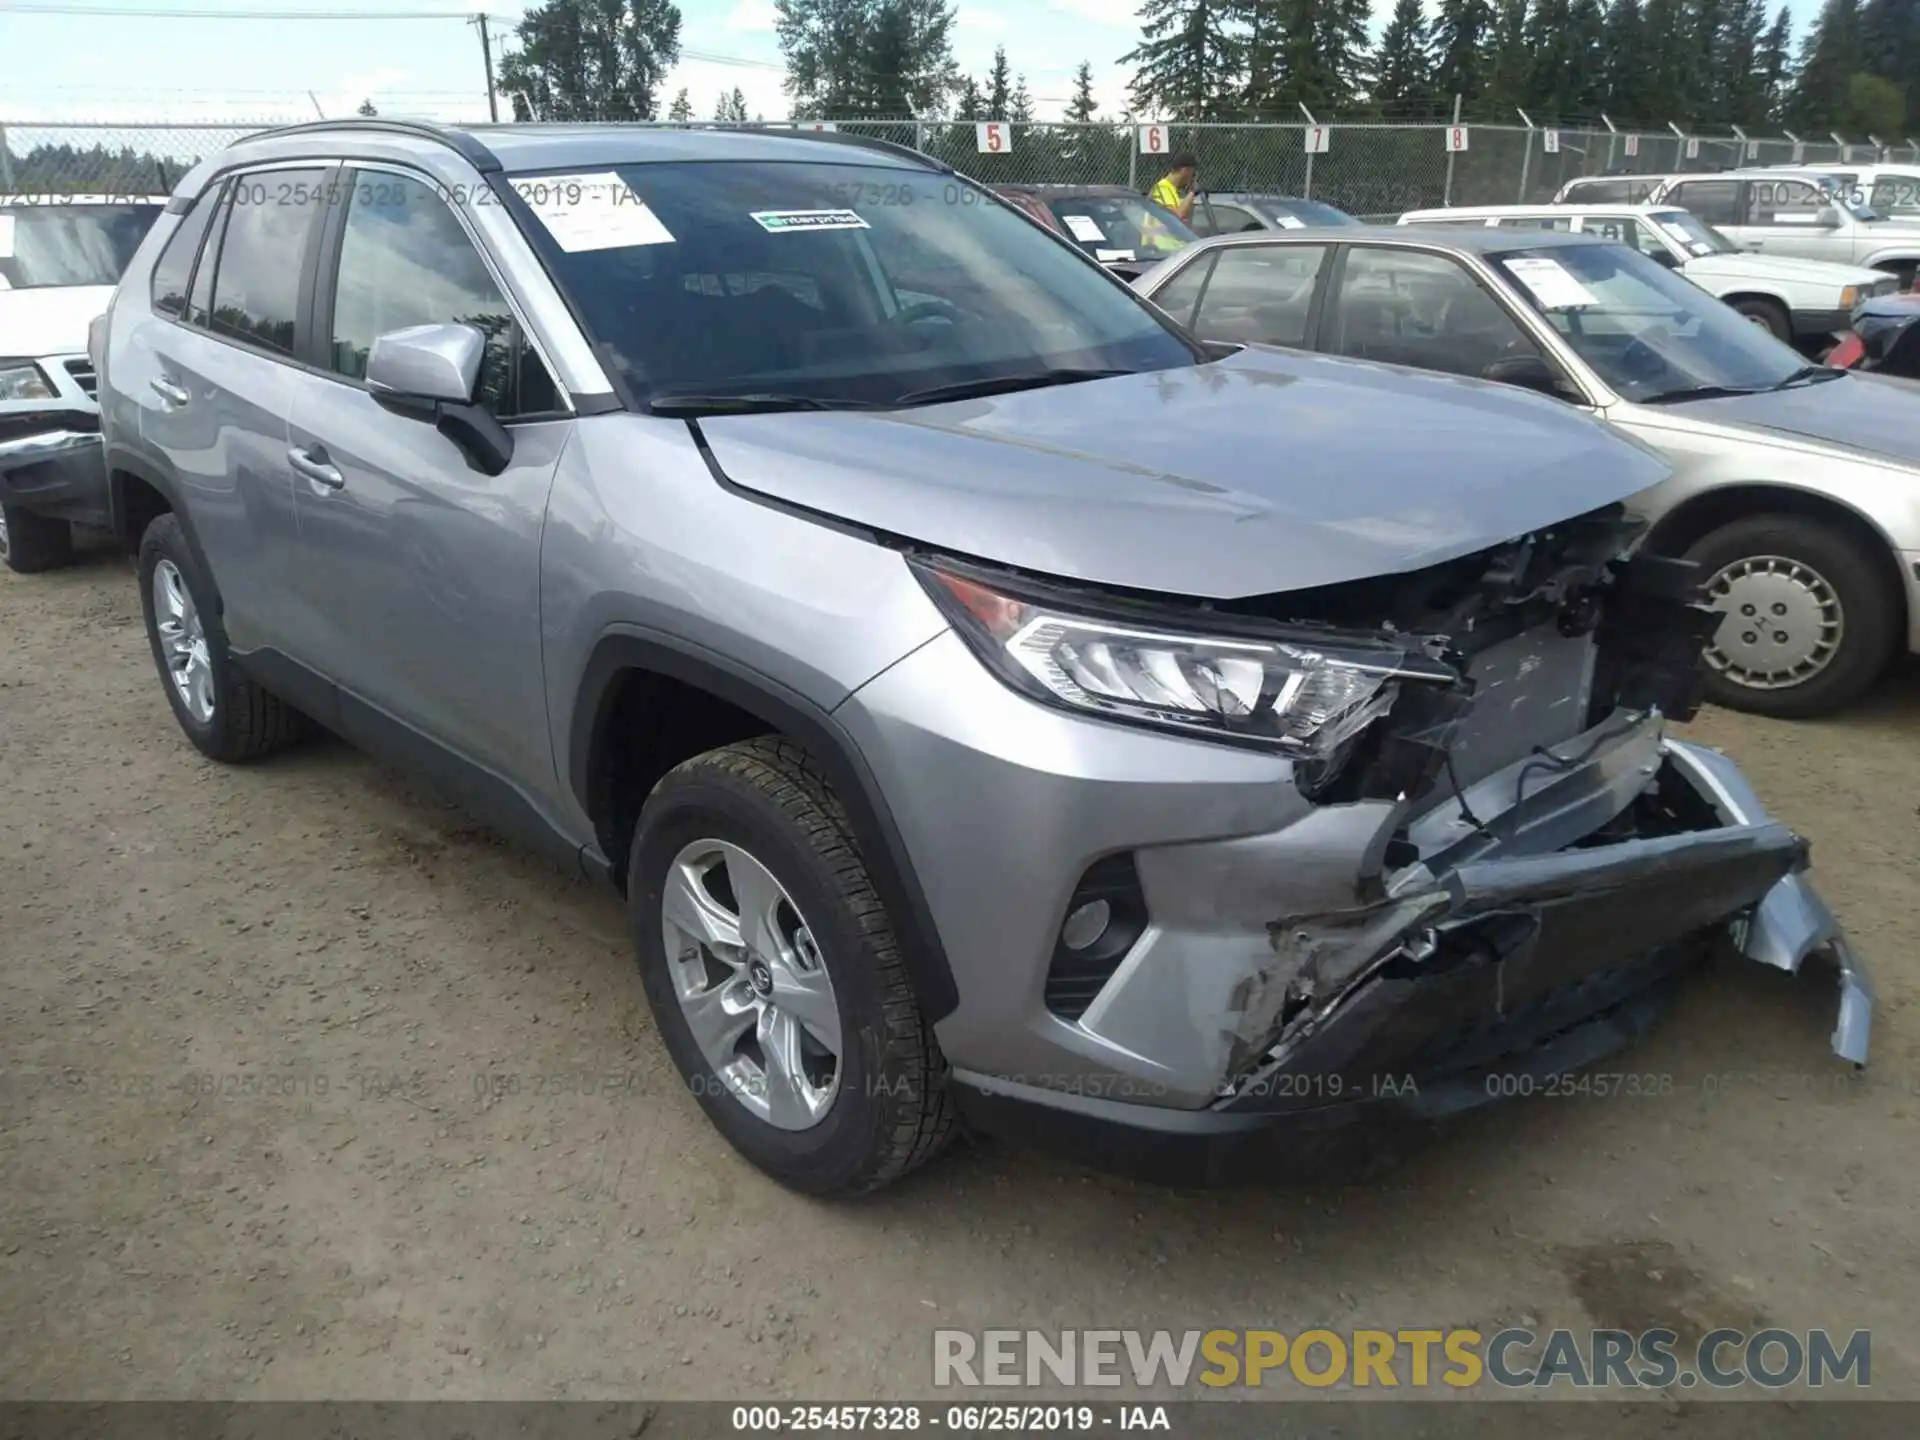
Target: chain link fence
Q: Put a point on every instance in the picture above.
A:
(1370, 170)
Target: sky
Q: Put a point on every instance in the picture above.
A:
(131, 65)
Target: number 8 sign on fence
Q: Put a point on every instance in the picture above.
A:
(993, 137)
(1456, 137)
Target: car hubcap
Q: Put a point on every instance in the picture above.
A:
(183, 641)
(1783, 625)
(752, 985)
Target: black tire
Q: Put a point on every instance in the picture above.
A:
(31, 543)
(248, 722)
(1869, 610)
(1768, 313)
(891, 1112)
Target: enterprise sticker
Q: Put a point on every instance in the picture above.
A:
(778, 222)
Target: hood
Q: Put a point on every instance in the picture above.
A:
(1267, 471)
(1785, 269)
(1866, 413)
(50, 321)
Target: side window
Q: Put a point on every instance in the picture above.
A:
(200, 299)
(1176, 297)
(405, 260)
(1714, 202)
(256, 283)
(1782, 202)
(1261, 294)
(1406, 307)
(175, 265)
(1213, 218)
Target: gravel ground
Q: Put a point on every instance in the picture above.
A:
(314, 1089)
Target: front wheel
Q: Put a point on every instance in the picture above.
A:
(1769, 316)
(1810, 622)
(775, 977)
(30, 543)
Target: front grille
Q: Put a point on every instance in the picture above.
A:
(82, 372)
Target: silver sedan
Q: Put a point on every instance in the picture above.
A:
(1796, 488)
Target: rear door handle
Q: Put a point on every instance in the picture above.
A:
(168, 391)
(313, 464)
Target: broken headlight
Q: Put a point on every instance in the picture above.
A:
(22, 380)
(1305, 693)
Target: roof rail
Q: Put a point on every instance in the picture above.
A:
(865, 142)
(468, 146)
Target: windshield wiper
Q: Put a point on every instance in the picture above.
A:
(753, 403)
(1700, 392)
(1003, 385)
(1809, 375)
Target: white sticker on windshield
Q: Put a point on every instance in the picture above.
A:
(1289, 222)
(779, 222)
(1677, 232)
(592, 212)
(1550, 282)
(1084, 227)
(1113, 254)
(6, 237)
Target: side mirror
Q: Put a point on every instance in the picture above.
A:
(430, 372)
(1529, 372)
(1828, 217)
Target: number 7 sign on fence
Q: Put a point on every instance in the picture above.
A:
(1317, 139)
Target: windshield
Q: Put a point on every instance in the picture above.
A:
(1649, 333)
(1694, 235)
(855, 284)
(1311, 212)
(51, 244)
(1121, 227)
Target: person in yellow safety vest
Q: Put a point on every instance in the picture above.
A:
(1175, 191)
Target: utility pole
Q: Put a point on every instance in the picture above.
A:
(486, 58)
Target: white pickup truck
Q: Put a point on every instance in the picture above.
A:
(60, 257)
(1805, 302)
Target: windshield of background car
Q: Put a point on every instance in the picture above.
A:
(835, 282)
(48, 244)
(1643, 329)
(1692, 234)
(1312, 212)
(1121, 227)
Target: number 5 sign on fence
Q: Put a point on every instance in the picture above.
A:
(1456, 137)
(1318, 137)
(993, 137)
(1153, 140)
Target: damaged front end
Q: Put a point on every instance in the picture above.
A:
(1501, 861)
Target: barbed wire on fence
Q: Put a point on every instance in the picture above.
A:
(1370, 168)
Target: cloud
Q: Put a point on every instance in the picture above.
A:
(705, 81)
(750, 16)
(1119, 14)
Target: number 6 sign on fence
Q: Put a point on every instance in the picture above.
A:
(1153, 140)
(1456, 137)
(993, 137)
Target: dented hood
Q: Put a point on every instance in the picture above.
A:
(1270, 470)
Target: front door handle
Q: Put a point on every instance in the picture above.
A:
(313, 464)
(168, 391)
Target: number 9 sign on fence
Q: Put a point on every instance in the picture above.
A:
(993, 137)
(1153, 140)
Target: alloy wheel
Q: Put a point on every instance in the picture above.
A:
(752, 984)
(183, 641)
(1784, 623)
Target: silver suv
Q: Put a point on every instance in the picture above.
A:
(996, 706)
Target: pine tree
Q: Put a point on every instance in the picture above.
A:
(999, 85)
(1405, 62)
(1191, 60)
(1831, 56)
(590, 59)
(732, 109)
(1705, 61)
(971, 105)
(1890, 36)
(1586, 86)
(1775, 65)
(876, 58)
(1549, 60)
(1743, 88)
(1081, 108)
(1020, 103)
(1508, 66)
(366, 108)
(1462, 35)
(681, 110)
(1626, 63)
(1663, 63)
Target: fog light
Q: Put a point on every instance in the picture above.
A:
(1086, 925)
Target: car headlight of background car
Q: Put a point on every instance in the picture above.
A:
(22, 380)
(1306, 693)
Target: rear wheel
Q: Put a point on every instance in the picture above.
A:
(1769, 315)
(30, 543)
(775, 977)
(224, 712)
(1810, 622)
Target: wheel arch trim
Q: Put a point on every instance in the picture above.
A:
(124, 464)
(626, 648)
